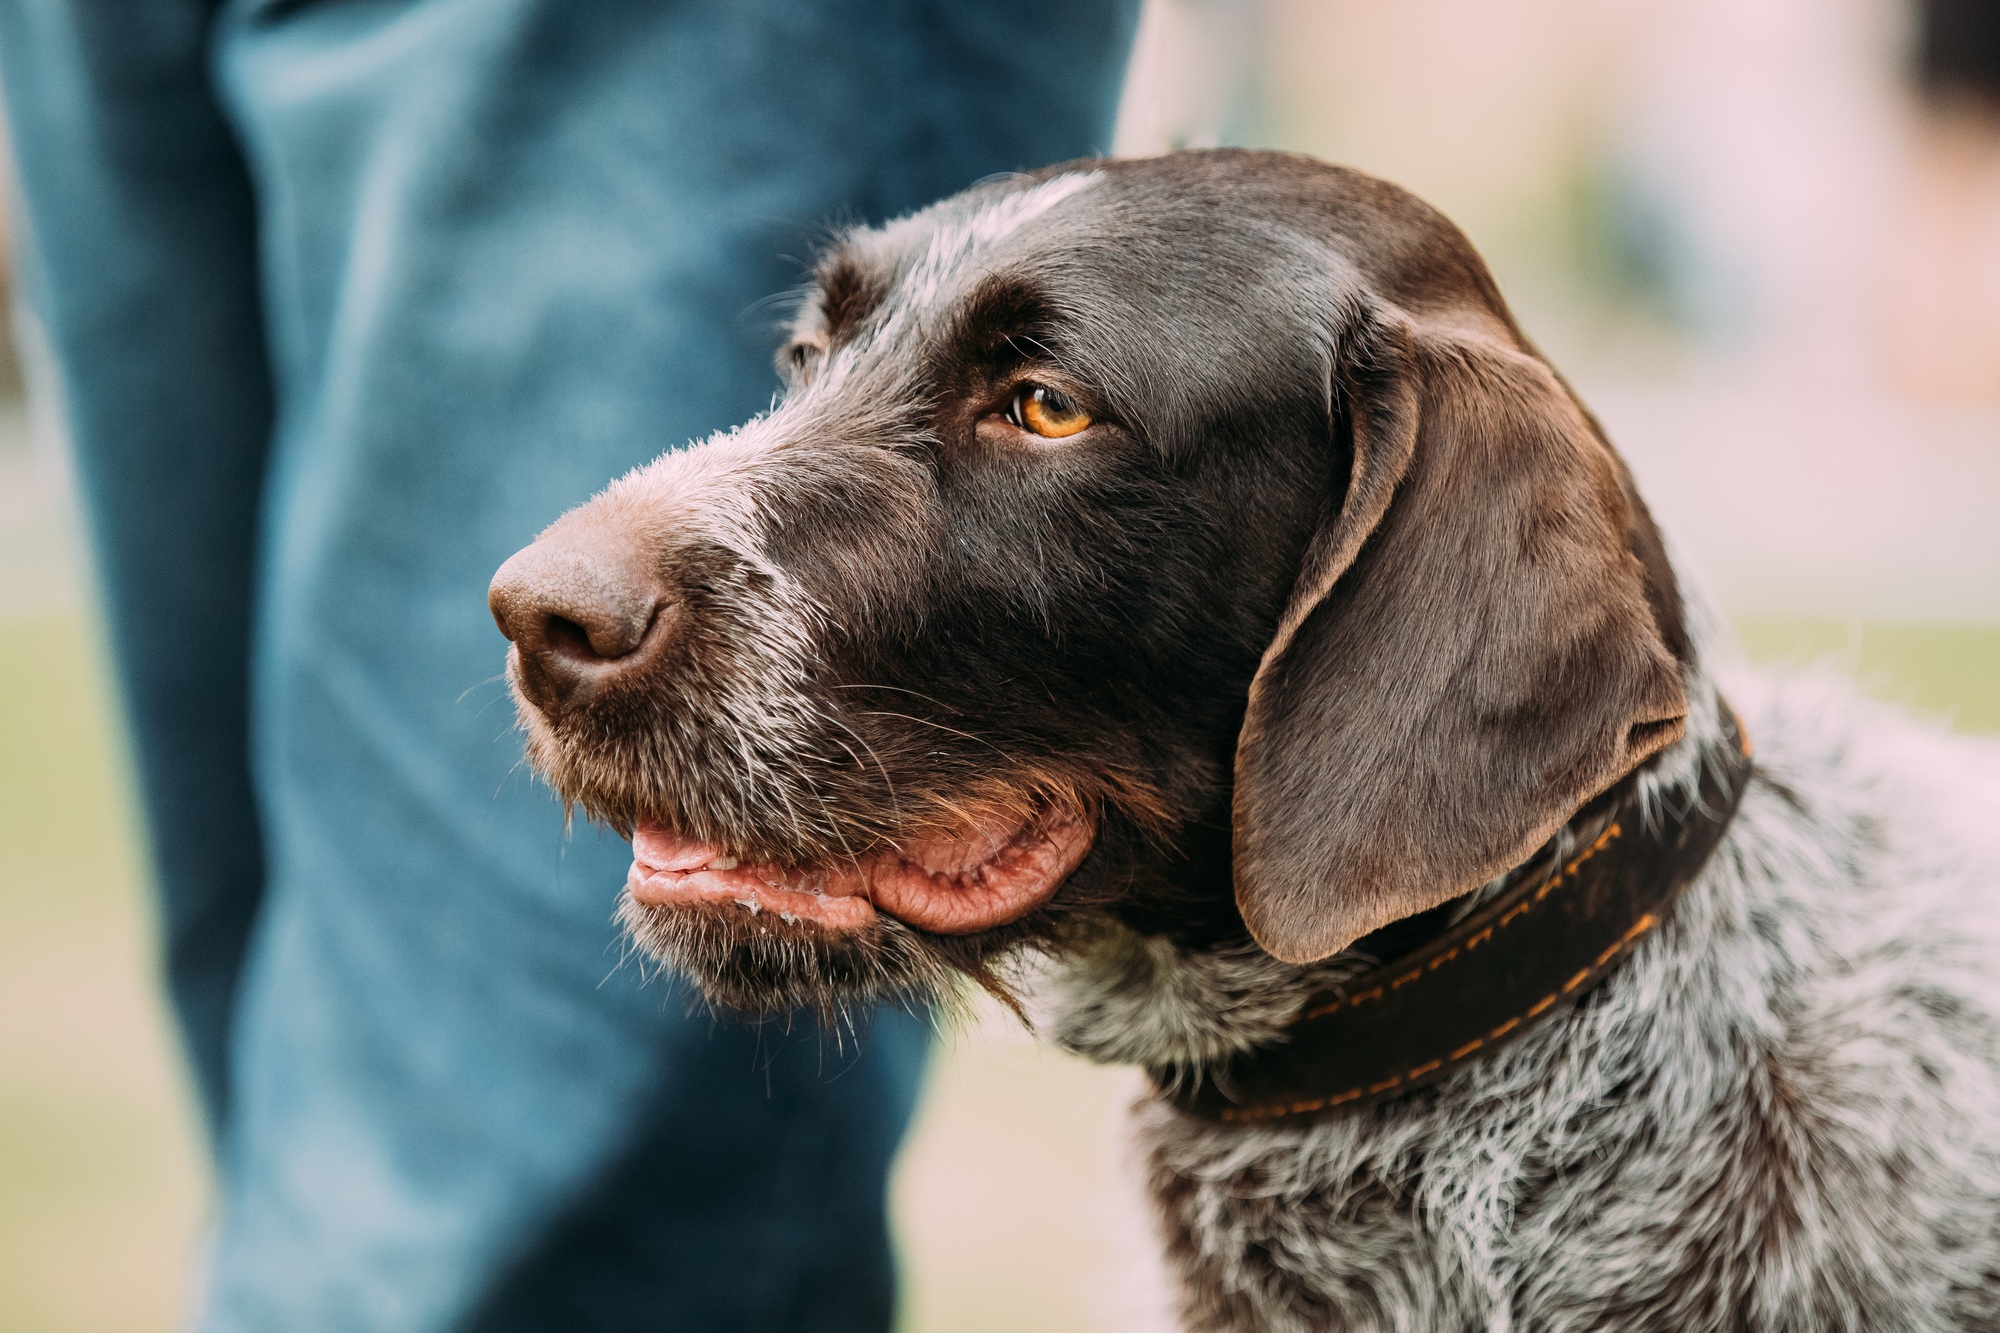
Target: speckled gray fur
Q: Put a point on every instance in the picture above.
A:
(1783, 1113)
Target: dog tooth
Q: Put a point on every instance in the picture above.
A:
(723, 863)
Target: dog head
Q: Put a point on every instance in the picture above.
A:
(1195, 540)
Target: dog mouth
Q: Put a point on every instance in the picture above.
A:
(994, 872)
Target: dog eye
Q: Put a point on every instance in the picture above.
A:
(1045, 412)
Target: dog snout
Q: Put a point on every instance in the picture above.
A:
(582, 613)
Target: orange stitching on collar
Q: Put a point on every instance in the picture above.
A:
(1645, 923)
(1639, 927)
(1332, 1006)
(1613, 830)
(1375, 992)
(1253, 1113)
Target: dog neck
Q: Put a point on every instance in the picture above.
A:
(1116, 995)
(1557, 926)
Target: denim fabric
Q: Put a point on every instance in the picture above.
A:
(349, 298)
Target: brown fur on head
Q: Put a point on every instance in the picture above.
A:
(1336, 608)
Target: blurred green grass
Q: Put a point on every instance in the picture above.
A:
(1950, 672)
(1008, 1197)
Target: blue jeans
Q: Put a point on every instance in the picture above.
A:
(348, 299)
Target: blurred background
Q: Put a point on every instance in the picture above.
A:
(1762, 237)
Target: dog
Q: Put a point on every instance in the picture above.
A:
(1184, 576)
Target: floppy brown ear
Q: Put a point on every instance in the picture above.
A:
(1469, 653)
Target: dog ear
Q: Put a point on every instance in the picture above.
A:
(1469, 653)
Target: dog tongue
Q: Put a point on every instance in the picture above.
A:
(995, 874)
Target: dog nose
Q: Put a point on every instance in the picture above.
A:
(580, 613)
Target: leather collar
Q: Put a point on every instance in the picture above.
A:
(1553, 931)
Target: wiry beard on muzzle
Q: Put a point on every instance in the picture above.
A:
(767, 965)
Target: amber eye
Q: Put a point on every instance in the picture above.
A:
(1047, 413)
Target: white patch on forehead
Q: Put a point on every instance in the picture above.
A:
(949, 250)
(1003, 216)
(953, 244)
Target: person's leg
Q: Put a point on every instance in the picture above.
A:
(139, 259)
(512, 248)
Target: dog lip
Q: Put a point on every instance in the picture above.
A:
(746, 889)
(994, 873)
(668, 869)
